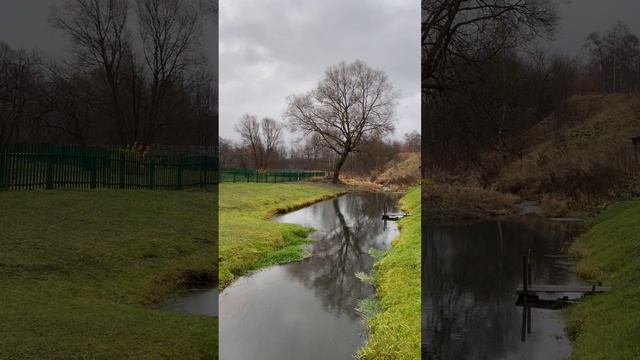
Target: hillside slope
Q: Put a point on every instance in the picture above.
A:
(580, 159)
(401, 172)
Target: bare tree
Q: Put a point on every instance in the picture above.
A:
(98, 30)
(170, 32)
(412, 141)
(18, 78)
(65, 105)
(225, 152)
(249, 130)
(350, 104)
(271, 135)
(614, 58)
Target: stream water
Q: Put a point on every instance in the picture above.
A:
(198, 302)
(470, 274)
(307, 309)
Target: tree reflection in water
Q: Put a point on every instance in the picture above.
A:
(340, 250)
(470, 272)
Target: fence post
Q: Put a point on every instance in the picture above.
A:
(121, 170)
(49, 169)
(94, 169)
(2, 166)
(179, 175)
(203, 172)
(152, 168)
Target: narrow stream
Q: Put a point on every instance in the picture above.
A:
(306, 310)
(470, 274)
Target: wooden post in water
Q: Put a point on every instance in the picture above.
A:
(524, 299)
(529, 283)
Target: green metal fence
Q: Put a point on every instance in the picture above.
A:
(267, 175)
(71, 166)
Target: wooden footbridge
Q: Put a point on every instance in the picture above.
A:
(533, 290)
(542, 295)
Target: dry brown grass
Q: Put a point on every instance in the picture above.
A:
(589, 161)
(457, 202)
(402, 172)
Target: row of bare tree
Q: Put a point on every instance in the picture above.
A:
(310, 153)
(120, 86)
(486, 82)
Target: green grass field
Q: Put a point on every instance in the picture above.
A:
(395, 330)
(249, 240)
(607, 326)
(80, 272)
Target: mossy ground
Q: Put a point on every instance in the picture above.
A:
(80, 272)
(607, 326)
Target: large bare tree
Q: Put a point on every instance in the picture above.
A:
(170, 32)
(98, 30)
(351, 103)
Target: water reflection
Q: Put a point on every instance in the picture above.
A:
(471, 270)
(306, 310)
(199, 302)
(342, 252)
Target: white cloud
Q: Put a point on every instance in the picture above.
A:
(270, 49)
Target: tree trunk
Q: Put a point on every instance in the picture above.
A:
(336, 172)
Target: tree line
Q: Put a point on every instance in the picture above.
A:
(310, 154)
(136, 74)
(487, 81)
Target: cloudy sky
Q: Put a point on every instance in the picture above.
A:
(274, 48)
(270, 49)
(578, 18)
(24, 25)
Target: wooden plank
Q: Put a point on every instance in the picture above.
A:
(533, 288)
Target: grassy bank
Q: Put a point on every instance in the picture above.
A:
(464, 202)
(395, 330)
(80, 271)
(607, 326)
(248, 239)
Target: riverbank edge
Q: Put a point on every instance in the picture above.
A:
(465, 202)
(395, 325)
(608, 325)
(292, 250)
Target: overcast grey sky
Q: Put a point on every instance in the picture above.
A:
(581, 17)
(270, 49)
(273, 48)
(24, 25)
